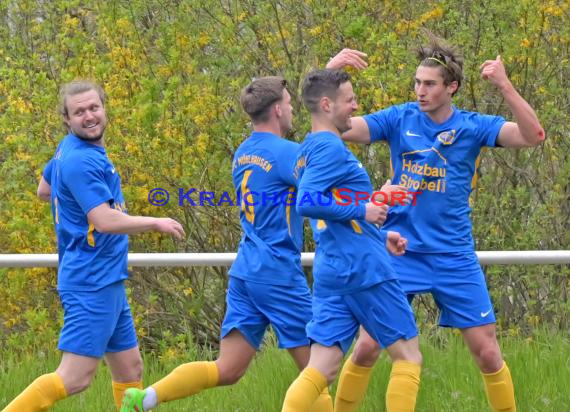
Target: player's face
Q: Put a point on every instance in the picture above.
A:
(286, 119)
(86, 116)
(343, 106)
(431, 93)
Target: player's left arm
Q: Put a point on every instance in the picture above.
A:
(44, 187)
(44, 190)
(526, 131)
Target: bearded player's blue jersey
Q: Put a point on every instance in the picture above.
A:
(82, 177)
(351, 253)
(270, 248)
(440, 160)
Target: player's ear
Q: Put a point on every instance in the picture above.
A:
(325, 104)
(453, 86)
(277, 109)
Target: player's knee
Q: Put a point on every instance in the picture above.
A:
(136, 369)
(76, 379)
(130, 369)
(366, 351)
(489, 358)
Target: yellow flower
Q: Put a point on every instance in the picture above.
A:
(203, 40)
(122, 24)
(315, 31)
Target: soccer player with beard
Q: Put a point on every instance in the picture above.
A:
(92, 228)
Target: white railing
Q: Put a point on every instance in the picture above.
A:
(525, 257)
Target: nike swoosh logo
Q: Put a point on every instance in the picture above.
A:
(484, 314)
(408, 133)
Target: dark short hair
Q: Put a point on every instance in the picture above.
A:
(257, 97)
(78, 87)
(322, 83)
(440, 54)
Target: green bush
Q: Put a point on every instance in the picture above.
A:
(173, 70)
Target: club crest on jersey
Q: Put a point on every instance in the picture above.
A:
(447, 137)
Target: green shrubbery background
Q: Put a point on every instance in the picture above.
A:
(173, 70)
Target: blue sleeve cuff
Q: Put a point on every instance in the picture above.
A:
(361, 212)
(492, 141)
(373, 128)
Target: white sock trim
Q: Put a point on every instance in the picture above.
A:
(150, 399)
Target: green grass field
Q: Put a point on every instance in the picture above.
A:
(450, 381)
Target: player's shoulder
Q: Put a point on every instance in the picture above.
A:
(326, 144)
(475, 118)
(267, 148)
(407, 108)
(467, 114)
(323, 139)
(82, 158)
(280, 145)
(288, 144)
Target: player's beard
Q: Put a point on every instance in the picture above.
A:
(90, 139)
(345, 126)
(95, 139)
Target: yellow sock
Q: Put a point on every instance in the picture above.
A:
(500, 390)
(119, 389)
(40, 395)
(352, 386)
(186, 380)
(304, 391)
(323, 403)
(403, 387)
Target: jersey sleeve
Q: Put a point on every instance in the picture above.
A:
(489, 127)
(380, 124)
(286, 164)
(326, 165)
(85, 178)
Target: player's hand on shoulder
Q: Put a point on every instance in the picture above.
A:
(396, 243)
(348, 57)
(171, 226)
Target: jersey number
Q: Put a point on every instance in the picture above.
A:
(247, 201)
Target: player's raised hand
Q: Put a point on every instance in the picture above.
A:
(171, 226)
(376, 214)
(494, 72)
(348, 57)
(396, 243)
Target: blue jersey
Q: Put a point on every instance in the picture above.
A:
(270, 248)
(440, 161)
(351, 253)
(82, 177)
